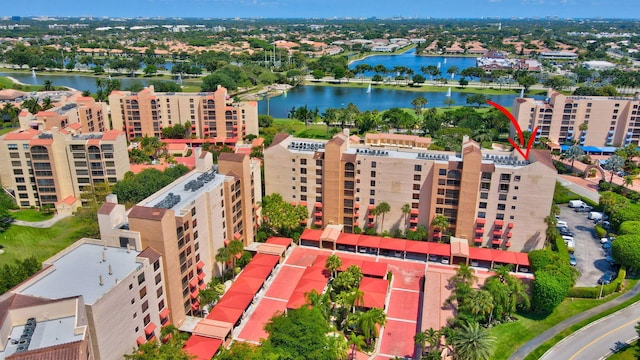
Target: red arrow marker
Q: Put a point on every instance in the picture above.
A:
(518, 130)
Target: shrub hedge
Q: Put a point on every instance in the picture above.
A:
(594, 292)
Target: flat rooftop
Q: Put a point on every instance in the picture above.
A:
(184, 190)
(77, 273)
(46, 334)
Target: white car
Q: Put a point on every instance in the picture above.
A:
(567, 238)
(445, 260)
(561, 223)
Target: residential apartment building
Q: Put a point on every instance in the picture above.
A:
(188, 221)
(586, 120)
(490, 198)
(118, 296)
(52, 168)
(214, 116)
(82, 113)
(37, 328)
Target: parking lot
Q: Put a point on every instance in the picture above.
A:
(590, 256)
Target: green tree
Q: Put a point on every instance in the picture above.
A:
(170, 350)
(281, 216)
(223, 256)
(211, 294)
(472, 342)
(236, 247)
(557, 82)
(356, 342)
(406, 210)
(614, 163)
(367, 321)
(548, 291)
(478, 99)
(418, 79)
(382, 209)
(347, 280)
(573, 153)
(440, 222)
(13, 274)
(527, 81)
(47, 85)
(418, 103)
(332, 264)
(625, 250)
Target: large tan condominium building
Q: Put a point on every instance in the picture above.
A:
(188, 221)
(119, 291)
(493, 199)
(585, 120)
(81, 113)
(214, 116)
(52, 168)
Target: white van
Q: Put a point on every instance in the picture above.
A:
(570, 244)
(567, 238)
(577, 203)
(595, 216)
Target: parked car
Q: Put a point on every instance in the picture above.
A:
(433, 258)
(572, 260)
(567, 238)
(565, 231)
(561, 223)
(445, 260)
(607, 247)
(583, 209)
(611, 260)
(606, 278)
(606, 239)
(577, 203)
(597, 216)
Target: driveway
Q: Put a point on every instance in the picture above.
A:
(589, 254)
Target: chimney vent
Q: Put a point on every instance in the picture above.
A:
(100, 280)
(110, 270)
(104, 256)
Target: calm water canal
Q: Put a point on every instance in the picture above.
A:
(78, 82)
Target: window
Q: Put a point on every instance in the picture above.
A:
(442, 172)
(372, 201)
(499, 216)
(417, 168)
(372, 192)
(303, 161)
(373, 174)
(484, 195)
(483, 205)
(416, 186)
(161, 305)
(140, 278)
(485, 186)
(130, 286)
(486, 176)
(145, 306)
(147, 320)
(159, 292)
(143, 292)
(373, 183)
(158, 278)
(482, 214)
(501, 206)
(373, 164)
(504, 188)
(516, 178)
(416, 177)
(505, 177)
(502, 197)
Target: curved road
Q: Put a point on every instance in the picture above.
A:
(599, 339)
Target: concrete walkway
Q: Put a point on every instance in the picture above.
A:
(41, 224)
(534, 343)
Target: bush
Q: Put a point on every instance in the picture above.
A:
(594, 292)
(604, 186)
(629, 228)
(625, 250)
(600, 231)
(547, 291)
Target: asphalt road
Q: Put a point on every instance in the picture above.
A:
(590, 256)
(588, 193)
(598, 339)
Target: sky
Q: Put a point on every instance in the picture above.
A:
(328, 8)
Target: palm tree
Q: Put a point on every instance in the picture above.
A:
(32, 105)
(472, 342)
(46, 104)
(406, 210)
(367, 322)
(614, 163)
(358, 299)
(356, 342)
(332, 264)
(382, 209)
(440, 222)
(236, 247)
(223, 256)
(573, 153)
(418, 103)
(48, 85)
(420, 339)
(628, 180)
(320, 301)
(480, 303)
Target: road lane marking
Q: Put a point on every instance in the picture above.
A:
(603, 336)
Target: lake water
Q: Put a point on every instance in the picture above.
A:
(378, 99)
(415, 62)
(78, 82)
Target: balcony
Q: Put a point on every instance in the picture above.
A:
(477, 240)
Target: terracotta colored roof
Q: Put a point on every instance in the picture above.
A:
(111, 134)
(68, 351)
(47, 113)
(106, 208)
(279, 241)
(138, 168)
(296, 300)
(311, 234)
(75, 126)
(69, 200)
(21, 134)
(176, 146)
(9, 94)
(393, 244)
(439, 249)
(40, 142)
(483, 254)
(151, 254)
(203, 348)
(142, 212)
(257, 142)
(226, 314)
(544, 157)
(189, 162)
(231, 157)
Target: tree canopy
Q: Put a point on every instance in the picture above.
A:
(280, 215)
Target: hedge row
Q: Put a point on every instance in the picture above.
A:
(594, 292)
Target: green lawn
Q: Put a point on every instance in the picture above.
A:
(6, 130)
(31, 215)
(627, 353)
(511, 336)
(6, 83)
(21, 242)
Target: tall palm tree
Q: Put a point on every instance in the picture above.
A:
(406, 210)
(472, 342)
(440, 222)
(46, 104)
(236, 247)
(367, 322)
(614, 164)
(418, 103)
(628, 180)
(573, 153)
(480, 304)
(333, 263)
(223, 256)
(358, 299)
(356, 342)
(48, 85)
(382, 209)
(32, 105)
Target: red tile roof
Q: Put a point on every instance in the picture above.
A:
(203, 348)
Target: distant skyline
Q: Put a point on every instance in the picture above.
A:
(328, 8)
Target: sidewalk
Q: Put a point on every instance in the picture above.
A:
(41, 224)
(534, 343)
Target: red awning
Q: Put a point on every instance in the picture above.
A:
(437, 234)
(200, 265)
(237, 236)
(202, 286)
(226, 314)
(482, 254)
(509, 234)
(317, 214)
(303, 203)
(418, 247)
(356, 205)
(496, 241)
(318, 222)
(164, 313)
(348, 239)
(318, 205)
(140, 340)
(370, 216)
(507, 244)
(293, 203)
(201, 276)
(522, 259)
(202, 348)
(372, 268)
(510, 225)
(413, 220)
(479, 230)
(195, 293)
(369, 241)
(497, 232)
(414, 211)
(226, 242)
(439, 249)
(370, 224)
(195, 306)
(149, 329)
(393, 244)
(499, 223)
(477, 240)
(193, 282)
(371, 207)
(480, 221)
(505, 257)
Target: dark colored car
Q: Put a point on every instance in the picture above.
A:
(565, 232)
(583, 209)
(606, 278)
